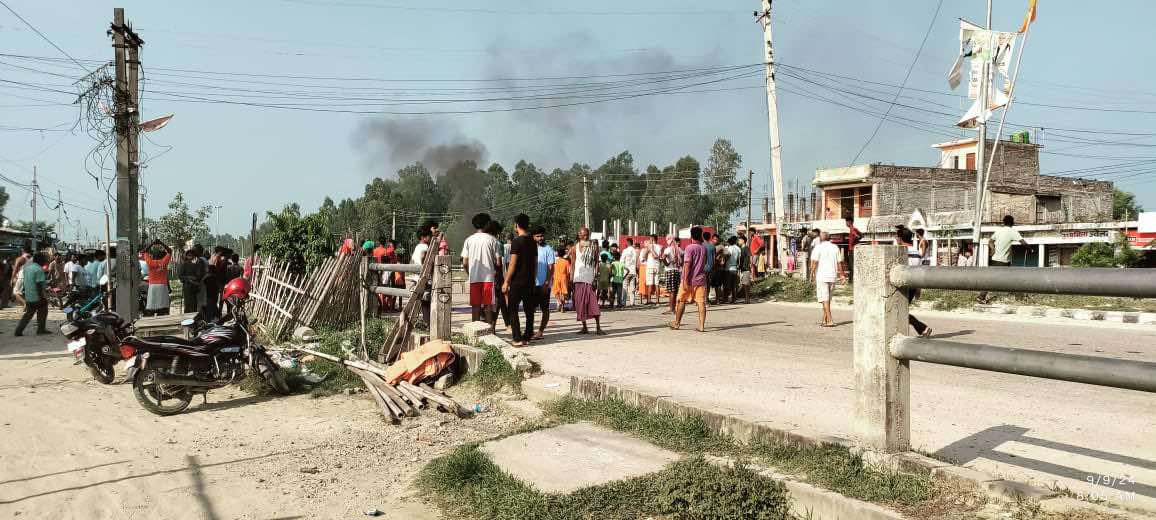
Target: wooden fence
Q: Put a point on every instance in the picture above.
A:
(327, 296)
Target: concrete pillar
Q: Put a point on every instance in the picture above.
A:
(882, 386)
(933, 250)
(441, 299)
(981, 253)
(803, 264)
(1043, 256)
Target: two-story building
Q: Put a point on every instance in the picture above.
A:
(1055, 214)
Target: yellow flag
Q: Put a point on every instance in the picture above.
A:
(1030, 16)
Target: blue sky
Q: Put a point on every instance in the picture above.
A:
(253, 159)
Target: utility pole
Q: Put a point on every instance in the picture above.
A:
(217, 228)
(750, 201)
(125, 45)
(773, 126)
(143, 231)
(35, 195)
(586, 200)
(981, 145)
(393, 226)
(59, 210)
(253, 234)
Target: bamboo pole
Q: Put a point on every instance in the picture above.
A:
(385, 408)
(375, 383)
(410, 395)
(347, 362)
(448, 404)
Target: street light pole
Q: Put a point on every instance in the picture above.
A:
(217, 228)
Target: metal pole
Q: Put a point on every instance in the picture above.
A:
(750, 200)
(981, 144)
(585, 201)
(217, 228)
(1133, 283)
(1092, 370)
(35, 195)
(773, 125)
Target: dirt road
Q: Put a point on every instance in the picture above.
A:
(772, 363)
(73, 448)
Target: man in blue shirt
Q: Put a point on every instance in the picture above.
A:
(708, 266)
(95, 269)
(35, 302)
(544, 278)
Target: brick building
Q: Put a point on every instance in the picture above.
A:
(1049, 210)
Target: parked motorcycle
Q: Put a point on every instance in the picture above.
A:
(82, 302)
(96, 339)
(171, 370)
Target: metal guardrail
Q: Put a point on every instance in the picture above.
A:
(399, 268)
(1102, 371)
(882, 351)
(1132, 283)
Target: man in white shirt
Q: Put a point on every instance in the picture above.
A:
(630, 281)
(966, 259)
(672, 258)
(1001, 242)
(651, 254)
(826, 269)
(480, 259)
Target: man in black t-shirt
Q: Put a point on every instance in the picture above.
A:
(519, 282)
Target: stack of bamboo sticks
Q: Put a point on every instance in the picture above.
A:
(400, 400)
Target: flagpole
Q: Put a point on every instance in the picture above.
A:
(1010, 97)
(981, 141)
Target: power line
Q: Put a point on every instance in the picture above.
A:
(37, 31)
(906, 76)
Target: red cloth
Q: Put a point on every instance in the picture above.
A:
(481, 293)
(379, 253)
(585, 302)
(756, 243)
(853, 238)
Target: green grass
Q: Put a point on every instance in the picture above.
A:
(494, 374)
(828, 466)
(786, 289)
(949, 300)
(467, 483)
(334, 342)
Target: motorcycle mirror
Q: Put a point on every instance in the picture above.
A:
(104, 280)
(68, 310)
(188, 322)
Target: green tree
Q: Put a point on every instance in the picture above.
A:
(3, 200)
(43, 229)
(181, 225)
(724, 192)
(1124, 205)
(1107, 254)
(304, 242)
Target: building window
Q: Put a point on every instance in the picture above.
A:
(955, 162)
(1049, 209)
(865, 202)
(971, 161)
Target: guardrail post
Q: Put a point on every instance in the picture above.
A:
(441, 298)
(882, 386)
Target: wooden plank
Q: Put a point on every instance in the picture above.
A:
(271, 304)
(286, 285)
(399, 268)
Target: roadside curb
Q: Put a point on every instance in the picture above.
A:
(744, 429)
(1142, 318)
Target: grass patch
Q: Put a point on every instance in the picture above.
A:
(829, 466)
(467, 483)
(950, 300)
(494, 374)
(791, 289)
(335, 343)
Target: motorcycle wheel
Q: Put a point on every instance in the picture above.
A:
(103, 371)
(274, 376)
(152, 396)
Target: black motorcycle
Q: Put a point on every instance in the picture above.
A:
(170, 370)
(96, 340)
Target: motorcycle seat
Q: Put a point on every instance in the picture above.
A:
(163, 341)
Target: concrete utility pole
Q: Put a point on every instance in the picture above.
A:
(393, 227)
(59, 209)
(750, 200)
(143, 231)
(217, 228)
(253, 233)
(125, 45)
(586, 200)
(981, 145)
(35, 195)
(773, 126)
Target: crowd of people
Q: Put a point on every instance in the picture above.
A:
(32, 276)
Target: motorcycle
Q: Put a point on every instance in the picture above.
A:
(82, 302)
(96, 340)
(169, 370)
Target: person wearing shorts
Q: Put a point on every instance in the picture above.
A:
(826, 269)
(479, 260)
(693, 284)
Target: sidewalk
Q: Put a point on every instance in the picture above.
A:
(772, 363)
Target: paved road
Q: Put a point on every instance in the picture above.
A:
(770, 361)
